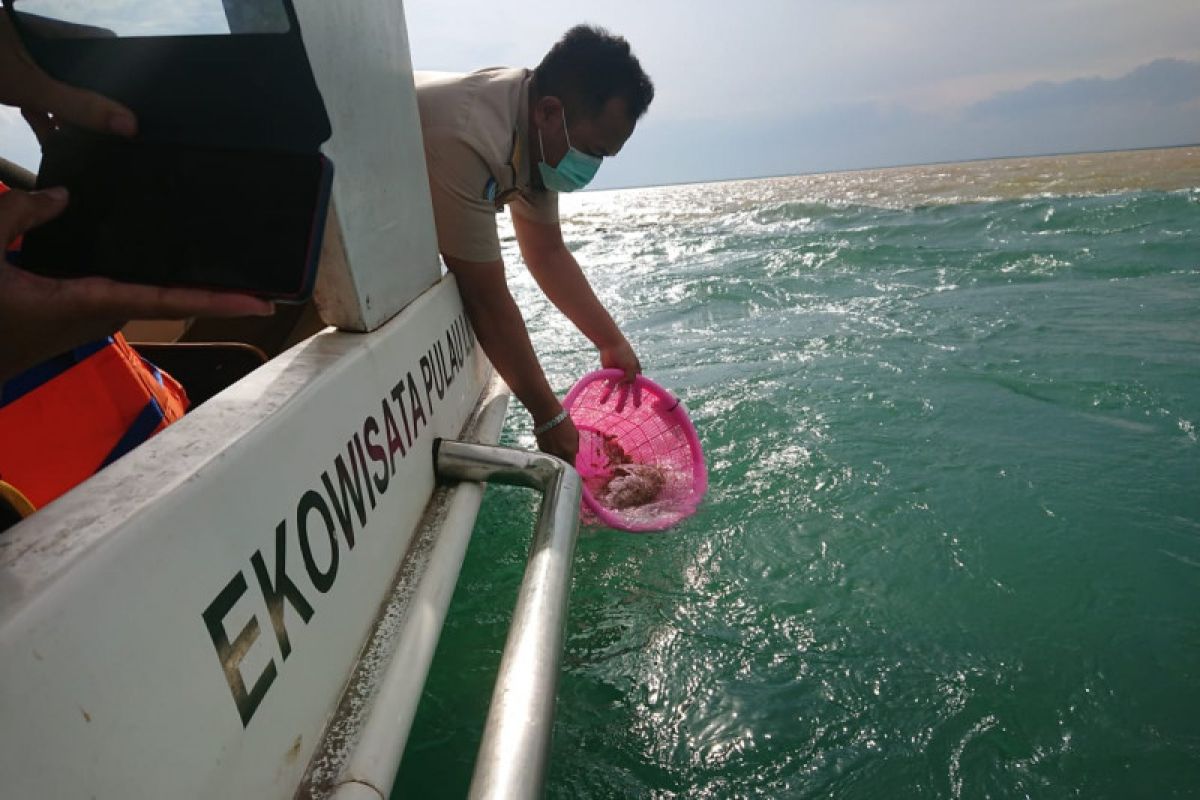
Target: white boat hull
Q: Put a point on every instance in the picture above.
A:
(184, 623)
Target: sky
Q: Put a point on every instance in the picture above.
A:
(776, 87)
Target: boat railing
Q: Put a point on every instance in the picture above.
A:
(515, 750)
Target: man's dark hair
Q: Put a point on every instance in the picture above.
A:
(589, 66)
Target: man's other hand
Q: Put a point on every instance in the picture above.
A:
(25, 85)
(562, 440)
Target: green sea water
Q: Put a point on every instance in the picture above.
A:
(951, 546)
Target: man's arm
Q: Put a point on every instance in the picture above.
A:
(562, 280)
(501, 332)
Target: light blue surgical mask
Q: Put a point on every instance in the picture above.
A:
(574, 171)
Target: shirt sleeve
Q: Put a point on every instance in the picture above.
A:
(465, 219)
(537, 206)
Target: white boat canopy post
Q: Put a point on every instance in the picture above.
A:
(380, 248)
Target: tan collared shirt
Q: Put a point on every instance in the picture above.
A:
(475, 127)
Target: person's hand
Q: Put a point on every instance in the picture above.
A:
(621, 356)
(562, 440)
(41, 317)
(45, 101)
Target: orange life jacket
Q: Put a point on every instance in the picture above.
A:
(68, 417)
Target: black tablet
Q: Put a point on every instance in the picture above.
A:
(177, 215)
(224, 186)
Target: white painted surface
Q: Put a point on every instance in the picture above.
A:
(110, 684)
(360, 57)
(375, 757)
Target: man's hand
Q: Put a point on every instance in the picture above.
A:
(622, 357)
(42, 317)
(25, 85)
(562, 440)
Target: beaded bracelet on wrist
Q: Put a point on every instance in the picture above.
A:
(551, 423)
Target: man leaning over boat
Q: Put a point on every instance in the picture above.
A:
(517, 137)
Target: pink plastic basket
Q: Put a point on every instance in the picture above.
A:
(639, 424)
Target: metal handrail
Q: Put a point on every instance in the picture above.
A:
(515, 752)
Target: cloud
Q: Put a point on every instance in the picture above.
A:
(137, 17)
(1165, 82)
(1156, 104)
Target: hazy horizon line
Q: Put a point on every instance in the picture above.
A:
(906, 165)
